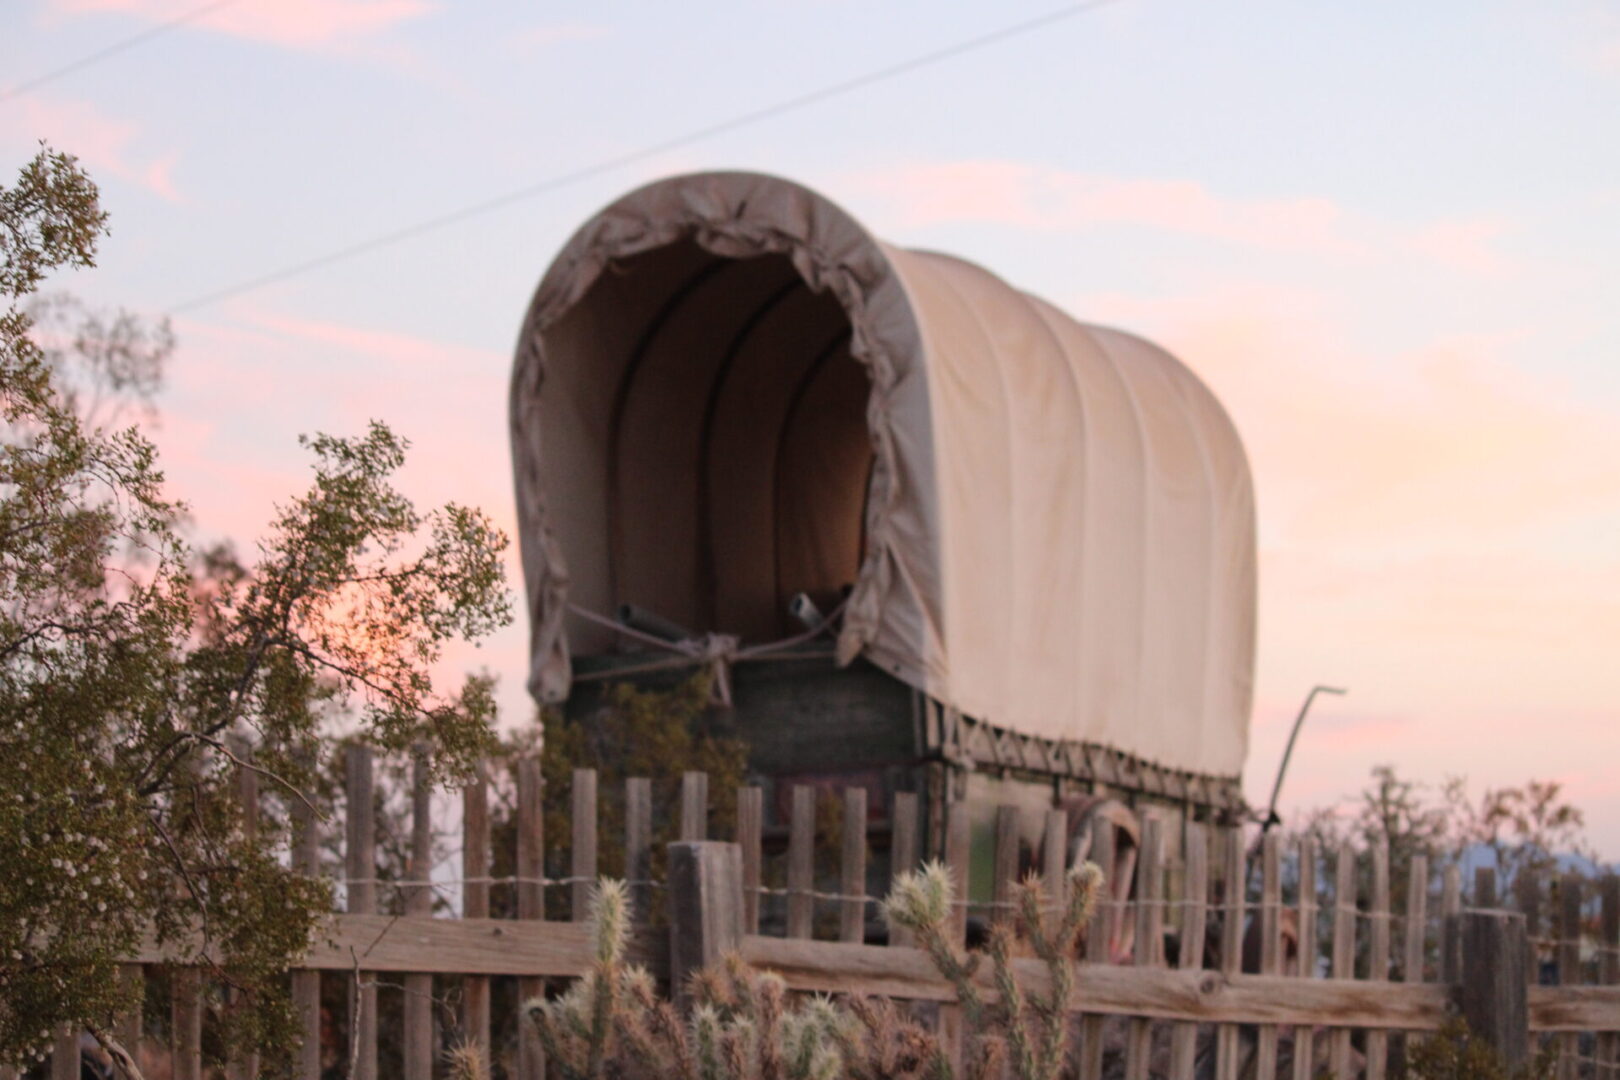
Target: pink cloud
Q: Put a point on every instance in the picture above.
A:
(295, 24)
(1026, 195)
(108, 146)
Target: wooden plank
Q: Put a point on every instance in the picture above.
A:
(1413, 940)
(956, 861)
(1265, 1054)
(417, 1033)
(128, 1028)
(1569, 965)
(751, 838)
(65, 1053)
(1195, 890)
(390, 944)
(902, 849)
(186, 1020)
(1227, 1043)
(1492, 996)
(1608, 1042)
(1160, 993)
(957, 850)
(694, 806)
(1004, 875)
(1344, 953)
(852, 867)
(1055, 855)
(582, 846)
(638, 844)
(1573, 1008)
(1149, 921)
(1417, 919)
(801, 862)
(1305, 1034)
(1099, 940)
(243, 1065)
(306, 985)
(531, 904)
(705, 907)
(360, 866)
(1527, 891)
(475, 861)
(1378, 954)
(1450, 944)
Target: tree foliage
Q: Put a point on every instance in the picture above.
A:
(129, 664)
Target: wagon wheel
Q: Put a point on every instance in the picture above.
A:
(1087, 815)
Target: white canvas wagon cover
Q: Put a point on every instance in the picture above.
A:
(727, 392)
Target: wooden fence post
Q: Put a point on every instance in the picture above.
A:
(1344, 951)
(638, 844)
(1099, 945)
(1569, 965)
(801, 872)
(1228, 1044)
(1194, 893)
(360, 863)
(1305, 1034)
(1149, 876)
(418, 903)
(531, 901)
(1608, 1043)
(65, 1053)
(1491, 991)
(1270, 924)
(242, 1066)
(902, 849)
(852, 868)
(751, 837)
(1378, 953)
(957, 852)
(306, 985)
(1451, 932)
(1484, 886)
(475, 904)
(705, 907)
(582, 850)
(694, 806)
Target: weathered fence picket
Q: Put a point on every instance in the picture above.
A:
(1099, 940)
(418, 904)
(1378, 953)
(531, 900)
(1344, 952)
(751, 841)
(852, 868)
(475, 863)
(361, 865)
(1305, 1034)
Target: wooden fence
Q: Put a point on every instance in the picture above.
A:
(1284, 962)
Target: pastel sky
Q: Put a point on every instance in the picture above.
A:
(1387, 234)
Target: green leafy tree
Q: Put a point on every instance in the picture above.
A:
(129, 663)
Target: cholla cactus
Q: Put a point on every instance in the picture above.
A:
(743, 1024)
(578, 1029)
(1030, 1029)
(465, 1061)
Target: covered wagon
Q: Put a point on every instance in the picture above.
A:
(930, 532)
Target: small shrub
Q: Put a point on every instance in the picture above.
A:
(1456, 1053)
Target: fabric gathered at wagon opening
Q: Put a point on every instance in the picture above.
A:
(1057, 535)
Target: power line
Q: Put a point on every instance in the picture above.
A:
(115, 48)
(755, 116)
